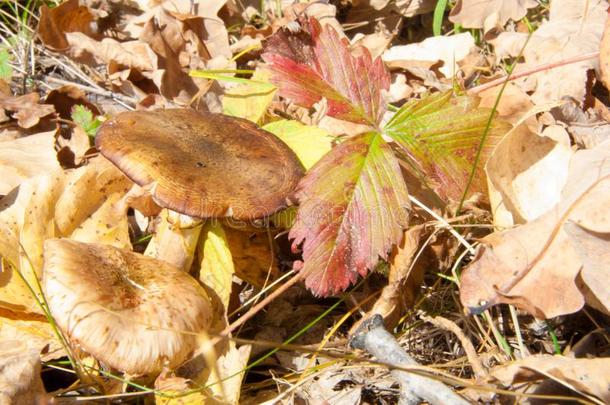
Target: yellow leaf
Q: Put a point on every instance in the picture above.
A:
(308, 142)
(107, 225)
(217, 264)
(250, 101)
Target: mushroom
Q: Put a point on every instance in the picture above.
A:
(134, 313)
(202, 164)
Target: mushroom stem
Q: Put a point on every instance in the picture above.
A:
(174, 241)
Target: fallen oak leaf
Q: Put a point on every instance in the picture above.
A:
(450, 50)
(489, 14)
(315, 63)
(515, 265)
(353, 207)
(26, 157)
(574, 28)
(55, 22)
(25, 109)
(586, 376)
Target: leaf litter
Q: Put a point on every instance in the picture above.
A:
(416, 157)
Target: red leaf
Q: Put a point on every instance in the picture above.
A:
(353, 208)
(316, 63)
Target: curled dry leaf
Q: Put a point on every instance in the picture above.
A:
(130, 54)
(54, 205)
(604, 55)
(253, 256)
(20, 381)
(515, 265)
(450, 50)
(65, 98)
(35, 330)
(574, 28)
(524, 165)
(68, 16)
(25, 109)
(489, 14)
(586, 376)
(27, 157)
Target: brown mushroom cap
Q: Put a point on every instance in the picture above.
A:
(132, 312)
(202, 164)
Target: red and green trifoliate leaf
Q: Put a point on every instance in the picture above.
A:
(316, 63)
(353, 208)
(440, 134)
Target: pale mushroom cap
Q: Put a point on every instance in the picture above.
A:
(202, 164)
(132, 312)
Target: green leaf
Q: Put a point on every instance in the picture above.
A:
(251, 99)
(353, 209)
(83, 117)
(310, 143)
(440, 135)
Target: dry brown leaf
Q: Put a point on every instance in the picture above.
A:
(590, 135)
(49, 206)
(587, 376)
(514, 102)
(516, 265)
(26, 219)
(427, 53)
(86, 191)
(214, 34)
(55, 22)
(526, 174)
(64, 98)
(403, 281)
(231, 366)
(108, 224)
(252, 256)
(604, 55)
(574, 28)
(23, 158)
(20, 381)
(592, 248)
(410, 8)
(407, 8)
(489, 14)
(24, 108)
(34, 330)
(131, 54)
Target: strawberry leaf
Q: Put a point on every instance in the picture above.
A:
(440, 135)
(353, 208)
(316, 63)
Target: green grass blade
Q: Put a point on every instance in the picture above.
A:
(439, 14)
